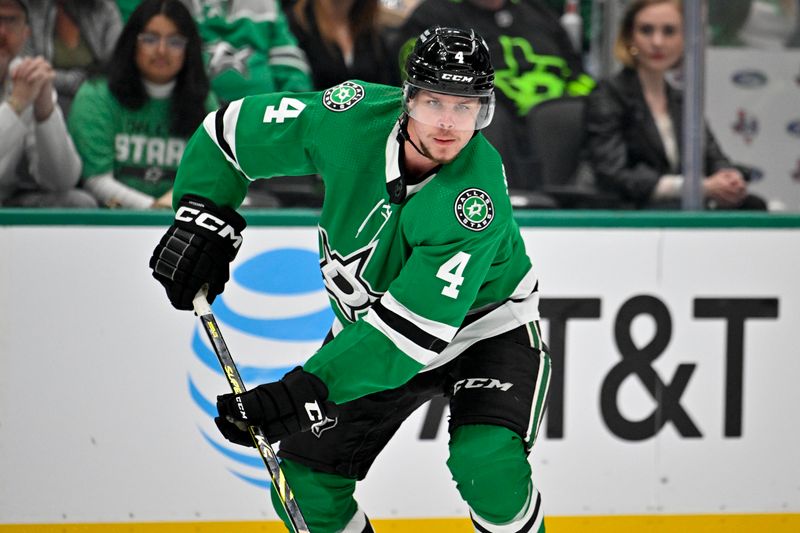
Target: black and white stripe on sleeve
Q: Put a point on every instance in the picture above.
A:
(220, 125)
(418, 337)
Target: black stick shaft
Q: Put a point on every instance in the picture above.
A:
(282, 488)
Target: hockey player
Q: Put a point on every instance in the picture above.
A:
(533, 60)
(426, 271)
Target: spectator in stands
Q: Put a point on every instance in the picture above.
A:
(74, 36)
(39, 166)
(533, 59)
(131, 127)
(634, 119)
(342, 41)
(249, 48)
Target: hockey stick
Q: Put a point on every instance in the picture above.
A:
(203, 310)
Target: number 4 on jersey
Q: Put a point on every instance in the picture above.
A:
(288, 108)
(452, 271)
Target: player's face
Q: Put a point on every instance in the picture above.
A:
(442, 124)
(658, 35)
(445, 111)
(160, 50)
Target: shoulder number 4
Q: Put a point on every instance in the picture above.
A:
(452, 271)
(288, 108)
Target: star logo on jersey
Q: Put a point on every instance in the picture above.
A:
(153, 174)
(343, 96)
(474, 209)
(208, 9)
(223, 57)
(344, 279)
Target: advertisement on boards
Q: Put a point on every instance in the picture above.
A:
(674, 385)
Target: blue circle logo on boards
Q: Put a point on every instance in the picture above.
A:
(273, 314)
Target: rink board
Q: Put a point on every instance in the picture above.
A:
(105, 389)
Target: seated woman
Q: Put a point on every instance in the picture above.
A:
(131, 127)
(634, 120)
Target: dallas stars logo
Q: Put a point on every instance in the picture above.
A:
(320, 427)
(474, 209)
(343, 96)
(344, 279)
(153, 174)
(223, 56)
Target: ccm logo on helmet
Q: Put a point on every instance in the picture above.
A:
(457, 77)
(209, 222)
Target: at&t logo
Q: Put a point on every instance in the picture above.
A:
(273, 314)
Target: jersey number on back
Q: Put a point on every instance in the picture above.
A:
(288, 108)
(452, 271)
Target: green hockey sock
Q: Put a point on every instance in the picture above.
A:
(326, 500)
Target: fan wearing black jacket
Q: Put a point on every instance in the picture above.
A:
(634, 120)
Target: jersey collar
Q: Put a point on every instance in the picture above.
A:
(398, 185)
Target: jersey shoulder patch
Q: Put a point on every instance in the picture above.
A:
(343, 96)
(474, 209)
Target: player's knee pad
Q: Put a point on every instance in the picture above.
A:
(326, 500)
(491, 471)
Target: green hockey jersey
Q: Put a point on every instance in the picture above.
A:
(249, 49)
(135, 145)
(415, 273)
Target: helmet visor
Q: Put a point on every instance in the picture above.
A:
(448, 111)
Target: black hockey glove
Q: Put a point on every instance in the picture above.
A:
(282, 408)
(197, 249)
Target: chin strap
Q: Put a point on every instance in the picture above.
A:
(403, 121)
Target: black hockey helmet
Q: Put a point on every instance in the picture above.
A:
(451, 61)
(455, 62)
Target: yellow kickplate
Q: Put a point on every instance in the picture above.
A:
(732, 523)
(763, 523)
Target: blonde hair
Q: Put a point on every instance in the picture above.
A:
(622, 46)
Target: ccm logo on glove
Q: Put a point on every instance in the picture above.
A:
(197, 249)
(209, 222)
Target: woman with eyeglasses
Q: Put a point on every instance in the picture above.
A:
(634, 120)
(131, 126)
